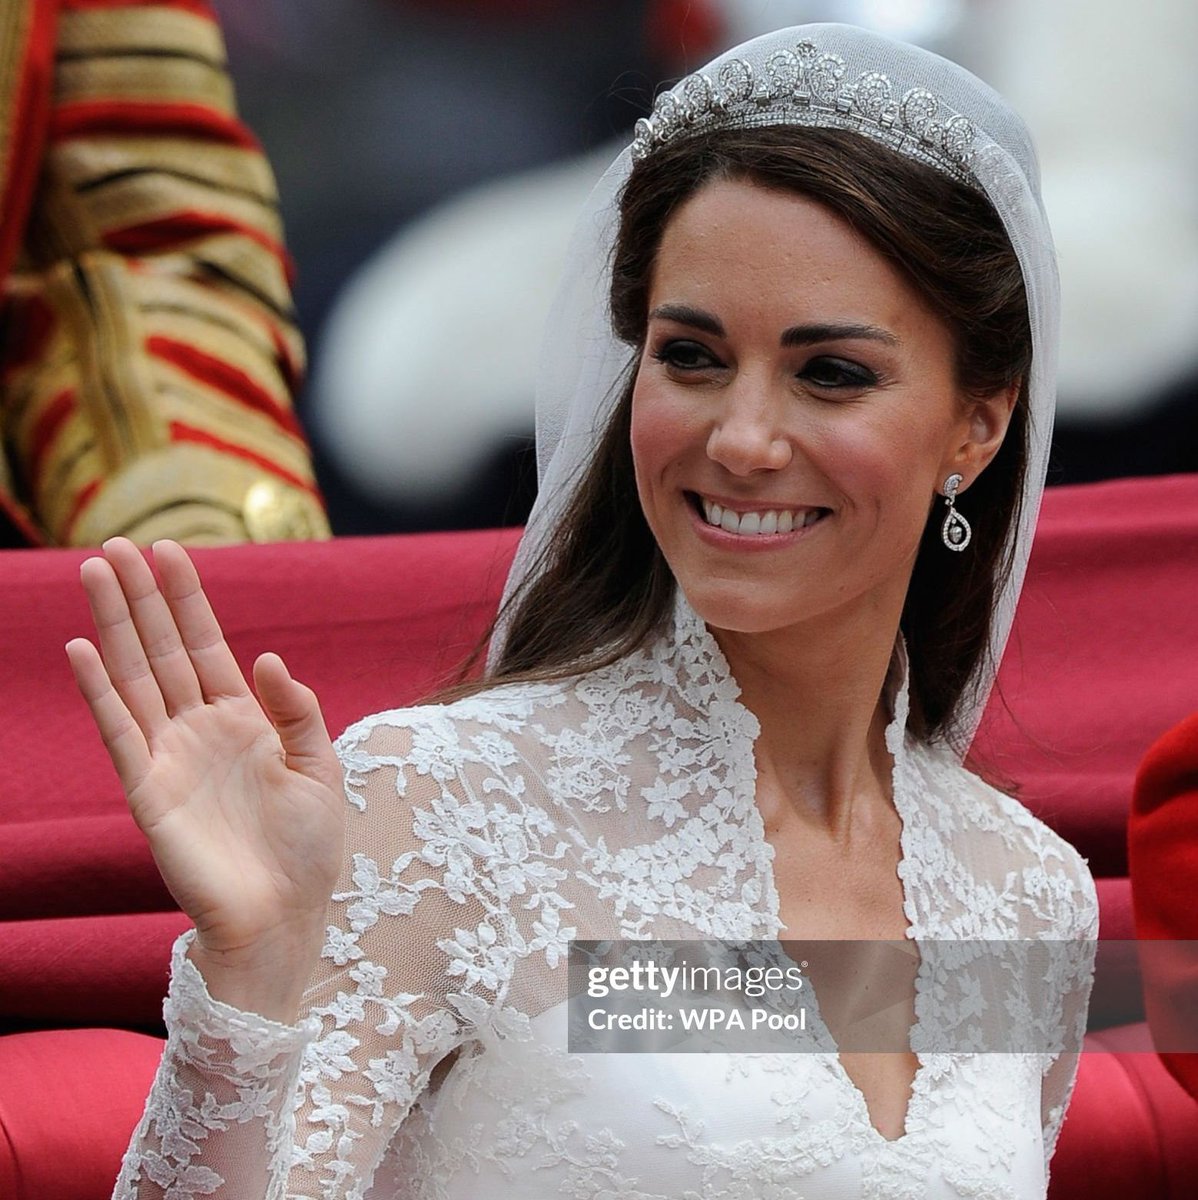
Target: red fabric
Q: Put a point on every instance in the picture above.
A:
(69, 1101)
(1104, 656)
(92, 970)
(1130, 1130)
(110, 117)
(1162, 839)
(82, 865)
(1117, 998)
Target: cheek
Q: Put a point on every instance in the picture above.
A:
(660, 433)
(886, 472)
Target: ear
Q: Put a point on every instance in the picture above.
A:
(980, 432)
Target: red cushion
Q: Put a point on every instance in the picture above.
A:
(69, 1100)
(1130, 1131)
(87, 970)
(1163, 847)
(1104, 656)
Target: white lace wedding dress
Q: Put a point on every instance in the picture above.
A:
(486, 835)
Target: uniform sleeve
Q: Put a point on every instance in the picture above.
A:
(150, 353)
(413, 970)
(1078, 931)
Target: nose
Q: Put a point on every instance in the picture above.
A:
(747, 435)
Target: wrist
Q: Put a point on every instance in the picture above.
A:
(268, 977)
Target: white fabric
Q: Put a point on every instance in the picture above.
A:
(583, 362)
(486, 834)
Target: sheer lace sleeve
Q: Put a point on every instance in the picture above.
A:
(413, 967)
(1078, 927)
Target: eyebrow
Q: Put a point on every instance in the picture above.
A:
(796, 335)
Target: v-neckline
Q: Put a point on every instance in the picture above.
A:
(688, 622)
(896, 746)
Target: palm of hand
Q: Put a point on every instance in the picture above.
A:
(237, 834)
(241, 800)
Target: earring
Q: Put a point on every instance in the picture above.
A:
(955, 532)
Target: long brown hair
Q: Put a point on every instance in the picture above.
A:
(603, 586)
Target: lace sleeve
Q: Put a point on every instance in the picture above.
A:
(413, 967)
(1078, 927)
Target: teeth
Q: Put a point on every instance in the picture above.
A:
(754, 523)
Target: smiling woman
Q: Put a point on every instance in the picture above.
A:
(728, 698)
(823, 388)
(889, 280)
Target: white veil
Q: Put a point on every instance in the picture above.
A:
(824, 75)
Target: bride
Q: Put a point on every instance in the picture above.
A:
(793, 426)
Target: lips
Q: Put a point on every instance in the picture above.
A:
(759, 522)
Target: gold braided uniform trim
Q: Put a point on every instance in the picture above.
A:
(139, 28)
(164, 493)
(129, 401)
(14, 30)
(88, 165)
(147, 388)
(141, 199)
(149, 80)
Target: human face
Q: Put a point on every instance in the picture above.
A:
(790, 369)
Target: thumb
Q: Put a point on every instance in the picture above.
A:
(295, 713)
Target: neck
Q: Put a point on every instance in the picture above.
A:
(817, 694)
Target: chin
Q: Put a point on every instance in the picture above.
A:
(734, 607)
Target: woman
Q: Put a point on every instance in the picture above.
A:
(744, 647)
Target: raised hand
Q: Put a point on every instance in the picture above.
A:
(241, 798)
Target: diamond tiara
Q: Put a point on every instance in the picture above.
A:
(804, 87)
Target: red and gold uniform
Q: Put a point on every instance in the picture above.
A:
(148, 353)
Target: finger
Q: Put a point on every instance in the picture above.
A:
(156, 628)
(213, 661)
(295, 713)
(124, 658)
(124, 741)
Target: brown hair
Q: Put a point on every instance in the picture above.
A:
(603, 585)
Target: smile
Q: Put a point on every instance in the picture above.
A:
(757, 523)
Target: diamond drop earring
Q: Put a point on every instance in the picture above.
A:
(955, 532)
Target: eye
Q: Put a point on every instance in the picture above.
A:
(682, 355)
(837, 373)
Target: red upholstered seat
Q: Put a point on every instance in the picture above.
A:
(1131, 1130)
(1104, 659)
(69, 1099)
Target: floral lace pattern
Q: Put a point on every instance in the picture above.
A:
(487, 834)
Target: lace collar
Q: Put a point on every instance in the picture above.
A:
(691, 659)
(704, 678)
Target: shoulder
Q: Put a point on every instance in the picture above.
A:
(439, 742)
(1004, 840)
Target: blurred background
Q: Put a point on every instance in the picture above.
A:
(432, 155)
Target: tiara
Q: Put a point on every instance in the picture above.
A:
(804, 87)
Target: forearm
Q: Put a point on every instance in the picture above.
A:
(219, 1119)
